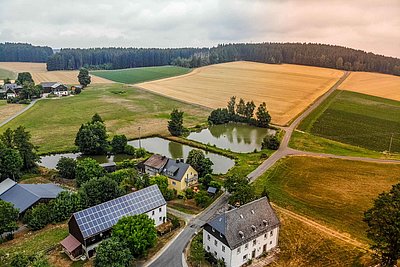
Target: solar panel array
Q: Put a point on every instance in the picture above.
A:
(99, 218)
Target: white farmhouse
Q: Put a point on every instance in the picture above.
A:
(241, 234)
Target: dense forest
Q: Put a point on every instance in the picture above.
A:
(18, 52)
(310, 54)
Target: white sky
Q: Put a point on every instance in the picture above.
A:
(371, 25)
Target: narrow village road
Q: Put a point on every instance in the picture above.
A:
(18, 113)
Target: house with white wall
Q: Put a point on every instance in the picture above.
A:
(243, 233)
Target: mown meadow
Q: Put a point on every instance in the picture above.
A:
(138, 75)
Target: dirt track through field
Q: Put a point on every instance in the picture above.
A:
(40, 74)
(343, 237)
(376, 84)
(287, 89)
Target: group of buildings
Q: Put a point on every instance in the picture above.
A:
(13, 90)
(235, 236)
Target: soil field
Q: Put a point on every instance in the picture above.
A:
(287, 89)
(331, 195)
(54, 123)
(357, 119)
(376, 84)
(40, 74)
(7, 110)
(138, 75)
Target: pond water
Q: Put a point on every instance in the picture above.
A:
(176, 150)
(240, 138)
(51, 161)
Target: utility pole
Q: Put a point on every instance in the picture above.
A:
(390, 144)
(140, 143)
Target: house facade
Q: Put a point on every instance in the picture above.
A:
(242, 234)
(56, 88)
(89, 227)
(180, 174)
(11, 90)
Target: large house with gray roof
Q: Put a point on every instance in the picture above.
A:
(180, 174)
(24, 196)
(239, 235)
(56, 88)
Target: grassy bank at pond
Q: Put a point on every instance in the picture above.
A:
(138, 75)
(334, 192)
(4, 74)
(54, 123)
(307, 142)
(357, 119)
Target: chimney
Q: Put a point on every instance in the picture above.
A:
(241, 234)
(253, 227)
(265, 223)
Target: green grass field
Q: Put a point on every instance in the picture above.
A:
(54, 123)
(333, 192)
(138, 75)
(357, 119)
(7, 74)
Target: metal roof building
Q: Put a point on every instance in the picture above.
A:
(24, 196)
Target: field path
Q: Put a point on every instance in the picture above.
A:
(19, 112)
(322, 228)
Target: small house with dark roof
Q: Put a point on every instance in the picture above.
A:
(56, 88)
(241, 234)
(155, 164)
(24, 196)
(180, 174)
(89, 227)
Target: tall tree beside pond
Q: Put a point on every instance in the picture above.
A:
(91, 139)
(241, 107)
(10, 163)
(199, 162)
(21, 142)
(231, 107)
(263, 117)
(175, 124)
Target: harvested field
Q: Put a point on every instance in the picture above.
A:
(376, 84)
(7, 110)
(40, 74)
(330, 195)
(287, 89)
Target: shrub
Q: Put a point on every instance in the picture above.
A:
(87, 169)
(66, 167)
(112, 252)
(129, 150)
(215, 184)
(189, 193)
(271, 142)
(202, 199)
(99, 190)
(140, 152)
(39, 216)
(78, 91)
(118, 144)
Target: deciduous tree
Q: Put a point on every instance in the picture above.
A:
(99, 190)
(263, 117)
(66, 167)
(118, 144)
(26, 149)
(86, 170)
(199, 162)
(8, 217)
(10, 163)
(84, 77)
(175, 124)
(24, 77)
(91, 139)
(112, 253)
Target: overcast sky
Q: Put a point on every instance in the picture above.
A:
(371, 25)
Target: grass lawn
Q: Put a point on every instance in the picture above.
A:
(54, 123)
(357, 119)
(307, 142)
(303, 245)
(7, 110)
(4, 74)
(35, 242)
(334, 192)
(138, 75)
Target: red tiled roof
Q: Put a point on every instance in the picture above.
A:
(70, 243)
(156, 161)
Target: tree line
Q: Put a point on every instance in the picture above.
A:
(311, 54)
(20, 52)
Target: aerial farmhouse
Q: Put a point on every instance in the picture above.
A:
(56, 88)
(242, 234)
(180, 174)
(89, 227)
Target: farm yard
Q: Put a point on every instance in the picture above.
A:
(287, 89)
(334, 196)
(357, 119)
(376, 84)
(138, 75)
(40, 74)
(122, 107)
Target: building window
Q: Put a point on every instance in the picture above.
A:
(265, 236)
(223, 248)
(208, 248)
(271, 233)
(238, 250)
(216, 243)
(152, 213)
(215, 253)
(173, 183)
(246, 246)
(159, 209)
(160, 219)
(208, 237)
(254, 242)
(270, 242)
(223, 259)
(245, 257)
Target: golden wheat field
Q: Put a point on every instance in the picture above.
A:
(40, 74)
(376, 84)
(287, 89)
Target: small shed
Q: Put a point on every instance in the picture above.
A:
(212, 190)
(72, 247)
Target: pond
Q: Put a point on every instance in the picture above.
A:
(51, 161)
(241, 138)
(176, 150)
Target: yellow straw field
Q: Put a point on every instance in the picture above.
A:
(40, 74)
(376, 84)
(287, 89)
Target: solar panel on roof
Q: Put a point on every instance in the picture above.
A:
(103, 216)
